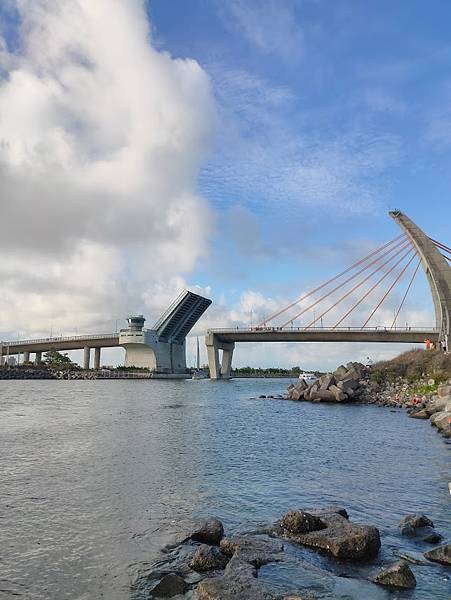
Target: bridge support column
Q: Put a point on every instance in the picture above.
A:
(226, 363)
(86, 357)
(219, 370)
(97, 358)
(38, 358)
(26, 356)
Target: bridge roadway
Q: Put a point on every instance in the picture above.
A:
(77, 342)
(224, 339)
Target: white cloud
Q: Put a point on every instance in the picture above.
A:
(101, 139)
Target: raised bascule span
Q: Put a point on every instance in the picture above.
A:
(409, 250)
(161, 349)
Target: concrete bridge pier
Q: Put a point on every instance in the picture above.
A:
(97, 358)
(38, 358)
(86, 357)
(219, 369)
(26, 356)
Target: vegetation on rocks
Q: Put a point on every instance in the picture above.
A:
(414, 365)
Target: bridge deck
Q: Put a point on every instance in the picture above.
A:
(77, 342)
(348, 334)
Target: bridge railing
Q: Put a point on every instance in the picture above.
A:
(269, 329)
(74, 338)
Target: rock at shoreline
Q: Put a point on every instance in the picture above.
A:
(250, 549)
(239, 581)
(410, 523)
(208, 531)
(208, 558)
(297, 521)
(398, 575)
(338, 536)
(169, 586)
(248, 553)
(441, 554)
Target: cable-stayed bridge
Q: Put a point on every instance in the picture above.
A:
(376, 275)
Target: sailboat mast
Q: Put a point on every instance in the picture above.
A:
(198, 355)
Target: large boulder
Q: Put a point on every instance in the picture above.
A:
(398, 575)
(297, 521)
(239, 581)
(441, 554)
(170, 585)
(325, 381)
(438, 404)
(444, 391)
(340, 372)
(338, 537)
(240, 576)
(208, 558)
(339, 395)
(322, 396)
(207, 531)
(251, 549)
(409, 523)
(348, 385)
(441, 420)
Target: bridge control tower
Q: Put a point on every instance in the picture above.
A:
(162, 349)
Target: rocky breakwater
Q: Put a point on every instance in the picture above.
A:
(437, 409)
(26, 373)
(308, 554)
(343, 385)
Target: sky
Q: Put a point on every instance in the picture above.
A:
(245, 149)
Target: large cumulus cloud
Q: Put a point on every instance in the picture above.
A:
(101, 139)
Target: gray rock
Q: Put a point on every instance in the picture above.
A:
(339, 395)
(340, 372)
(432, 538)
(238, 582)
(339, 537)
(410, 523)
(208, 531)
(322, 396)
(251, 549)
(398, 575)
(208, 558)
(169, 586)
(325, 381)
(348, 385)
(419, 414)
(444, 390)
(297, 521)
(441, 554)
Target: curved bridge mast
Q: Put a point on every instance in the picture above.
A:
(437, 271)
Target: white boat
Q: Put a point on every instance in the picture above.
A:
(198, 373)
(309, 377)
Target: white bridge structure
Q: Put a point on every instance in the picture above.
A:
(161, 349)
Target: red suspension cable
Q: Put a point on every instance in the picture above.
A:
(356, 264)
(443, 246)
(373, 288)
(405, 295)
(403, 243)
(384, 297)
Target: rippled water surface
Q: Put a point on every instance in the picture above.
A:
(96, 476)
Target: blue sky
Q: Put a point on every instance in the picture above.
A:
(248, 149)
(345, 108)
